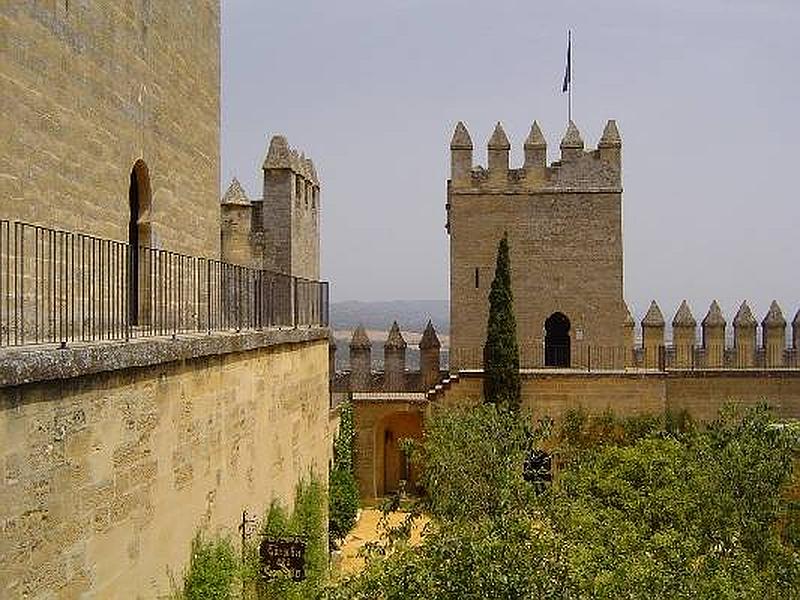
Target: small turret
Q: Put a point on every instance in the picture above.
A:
(653, 336)
(394, 360)
(714, 336)
(629, 329)
(773, 330)
(429, 349)
(571, 144)
(610, 144)
(683, 335)
(535, 149)
(499, 147)
(796, 331)
(460, 155)
(360, 361)
(235, 194)
(744, 336)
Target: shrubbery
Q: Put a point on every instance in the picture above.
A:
(641, 508)
(213, 570)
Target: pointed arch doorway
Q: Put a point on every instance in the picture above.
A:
(139, 234)
(557, 351)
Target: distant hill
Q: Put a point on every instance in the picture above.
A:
(411, 315)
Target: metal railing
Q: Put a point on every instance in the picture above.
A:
(63, 287)
(589, 357)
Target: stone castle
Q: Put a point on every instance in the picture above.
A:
(165, 361)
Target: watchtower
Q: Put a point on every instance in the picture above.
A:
(564, 224)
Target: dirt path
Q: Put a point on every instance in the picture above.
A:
(366, 530)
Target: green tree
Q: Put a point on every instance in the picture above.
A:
(343, 497)
(501, 382)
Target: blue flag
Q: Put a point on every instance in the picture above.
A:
(568, 72)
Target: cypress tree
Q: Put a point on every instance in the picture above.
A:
(501, 382)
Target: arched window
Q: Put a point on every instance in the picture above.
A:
(139, 238)
(556, 341)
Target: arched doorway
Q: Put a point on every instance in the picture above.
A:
(138, 236)
(556, 341)
(392, 464)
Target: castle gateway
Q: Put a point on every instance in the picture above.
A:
(564, 224)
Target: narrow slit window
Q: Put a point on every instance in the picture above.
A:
(477, 278)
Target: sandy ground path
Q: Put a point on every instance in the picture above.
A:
(366, 530)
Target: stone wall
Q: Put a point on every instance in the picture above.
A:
(701, 393)
(89, 89)
(106, 477)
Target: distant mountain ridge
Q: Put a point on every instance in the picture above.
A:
(411, 315)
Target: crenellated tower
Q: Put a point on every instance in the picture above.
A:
(280, 230)
(290, 216)
(564, 223)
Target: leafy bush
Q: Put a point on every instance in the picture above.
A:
(213, 570)
(473, 462)
(643, 513)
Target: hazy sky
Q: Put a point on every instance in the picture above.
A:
(706, 94)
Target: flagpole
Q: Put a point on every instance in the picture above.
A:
(569, 99)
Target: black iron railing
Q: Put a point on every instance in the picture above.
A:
(63, 287)
(590, 357)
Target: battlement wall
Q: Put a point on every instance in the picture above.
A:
(770, 343)
(577, 169)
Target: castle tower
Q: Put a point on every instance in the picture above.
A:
(773, 329)
(744, 336)
(564, 225)
(683, 336)
(653, 336)
(629, 327)
(360, 361)
(460, 155)
(290, 214)
(714, 336)
(394, 361)
(429, 349)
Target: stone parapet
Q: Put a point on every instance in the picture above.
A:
(31, 364)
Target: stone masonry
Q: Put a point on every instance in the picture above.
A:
(91, 88)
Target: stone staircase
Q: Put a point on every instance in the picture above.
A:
(439, 389)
